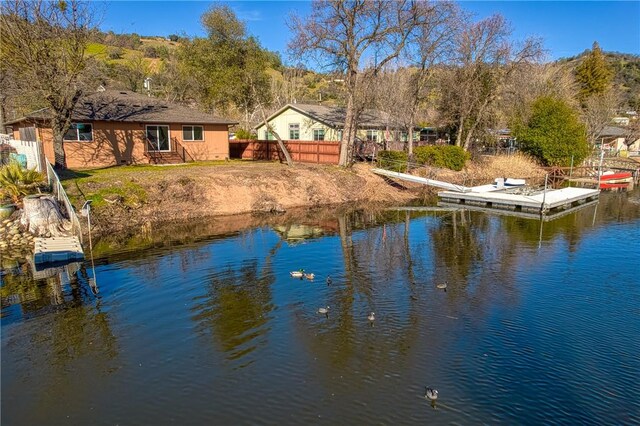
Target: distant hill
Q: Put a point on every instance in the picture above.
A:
(627, 74)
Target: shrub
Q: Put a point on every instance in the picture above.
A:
(114, 52)
(16, 182)
(554, 133)
(244, 134)
(444, 156)
(150, 52)
(393, 160)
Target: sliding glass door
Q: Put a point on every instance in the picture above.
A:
(158, 137)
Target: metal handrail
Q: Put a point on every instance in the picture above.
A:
(61, 196)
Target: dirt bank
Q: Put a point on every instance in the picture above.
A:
(127, 198)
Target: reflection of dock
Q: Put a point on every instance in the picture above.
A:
(546, 217)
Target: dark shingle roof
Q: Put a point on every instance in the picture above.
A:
(335, 116)
(613, 131)
(120, 105)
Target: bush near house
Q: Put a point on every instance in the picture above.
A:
(443, 156)
(393, 160)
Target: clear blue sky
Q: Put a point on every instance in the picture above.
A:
(567, 27)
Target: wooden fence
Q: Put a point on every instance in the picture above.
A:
(319, 152)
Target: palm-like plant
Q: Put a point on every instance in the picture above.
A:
(16, 182)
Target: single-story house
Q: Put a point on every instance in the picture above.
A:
(308, 122)
(112, 127)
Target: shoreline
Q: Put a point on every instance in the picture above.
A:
(137, 200)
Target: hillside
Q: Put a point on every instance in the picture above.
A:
(627, 74)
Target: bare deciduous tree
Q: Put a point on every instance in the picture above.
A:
(598, 111)
(44, 43)
(485, 58)
(345, 36)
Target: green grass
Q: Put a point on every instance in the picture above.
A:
(122, 182)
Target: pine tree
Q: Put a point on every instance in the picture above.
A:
(594, 74)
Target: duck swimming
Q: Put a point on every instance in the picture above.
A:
(310, 276)
(372, 316)
(442, 286)
(324, 311)
(430, 394)
(329, 280)
(297, 274)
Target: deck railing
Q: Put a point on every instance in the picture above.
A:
(61, 196)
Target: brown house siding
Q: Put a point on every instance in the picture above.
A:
(124, 143)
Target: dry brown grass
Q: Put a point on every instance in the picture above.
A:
(485, 169)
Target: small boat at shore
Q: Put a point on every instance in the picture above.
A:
(611, 179)
(611, 176)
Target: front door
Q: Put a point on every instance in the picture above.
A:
(158, 137)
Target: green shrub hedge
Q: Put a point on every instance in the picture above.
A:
(445, 156)
(393, 160)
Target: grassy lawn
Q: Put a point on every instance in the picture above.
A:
(127, 183)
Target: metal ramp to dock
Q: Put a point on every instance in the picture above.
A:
(423, 181)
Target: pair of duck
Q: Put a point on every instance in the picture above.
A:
(301, 274)
(371, 317)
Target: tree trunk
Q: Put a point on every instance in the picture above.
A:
(348, 134)
(281, 144)
(42, 215)
(58, 131)
(459, 132)
(410, 142)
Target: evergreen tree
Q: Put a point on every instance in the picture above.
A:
(594, 74)
(554, 133)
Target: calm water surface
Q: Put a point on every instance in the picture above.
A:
(539, 325)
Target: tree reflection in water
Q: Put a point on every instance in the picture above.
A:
(235, 309)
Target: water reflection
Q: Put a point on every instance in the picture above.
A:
(235, 308)
(204, 318)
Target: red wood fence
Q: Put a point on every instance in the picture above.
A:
(321, 152)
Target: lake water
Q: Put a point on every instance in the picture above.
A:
(202, 324)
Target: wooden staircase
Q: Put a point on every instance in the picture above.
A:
(164, 157)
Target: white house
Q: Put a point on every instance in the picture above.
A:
(309, 122)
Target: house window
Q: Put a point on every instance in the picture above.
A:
(158, 138)
(318, 134)
(372, 135)
(79, 132)
(268, 136)
(404, 136)
(294, 131)
(340, 135)
(192, 133)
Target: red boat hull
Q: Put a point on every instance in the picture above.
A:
(615, 176)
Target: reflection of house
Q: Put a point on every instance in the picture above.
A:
(112, 127)
(308, 122)
(298, 232)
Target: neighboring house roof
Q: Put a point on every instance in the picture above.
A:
(335, 116)
(121, 105)
(610, 131)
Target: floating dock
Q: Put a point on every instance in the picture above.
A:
(499, 196)
(488, 196)
(57, 249)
